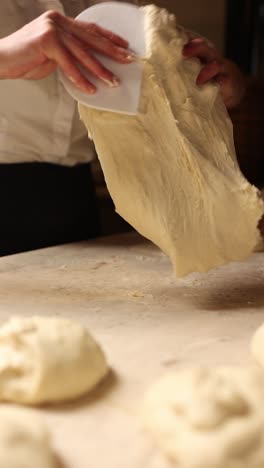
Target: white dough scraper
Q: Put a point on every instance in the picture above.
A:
(127, 21)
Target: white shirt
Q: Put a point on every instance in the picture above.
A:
(39, 121)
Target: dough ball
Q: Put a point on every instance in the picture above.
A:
(24, 441)
(47, 360)
(205, 418)
(257, 346)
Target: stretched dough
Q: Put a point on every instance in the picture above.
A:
(47, 360)
(172, 170)
(205, 418)
(24, 440)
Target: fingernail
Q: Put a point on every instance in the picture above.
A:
(88, 90)
(132, 56)
(113, 83)
(127, 54)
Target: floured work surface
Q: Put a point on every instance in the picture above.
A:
(172, 170)
(148, 322)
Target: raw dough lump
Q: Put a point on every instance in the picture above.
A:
(172, 169)
(204, 418)
(47, 360)
(257, 346)
(24, 440)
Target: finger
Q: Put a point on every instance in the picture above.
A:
(88, 61)
(65, 61)
(117, 40)
(209, 72)
(73, 24)
(92, 38)
(104, 46)
(200, 49)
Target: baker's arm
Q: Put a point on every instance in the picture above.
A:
(53, 40)
(217, 68)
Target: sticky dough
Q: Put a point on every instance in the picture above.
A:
(47, 360)
(172, 169)
(208, 418)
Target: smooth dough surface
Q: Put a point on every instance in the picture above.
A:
(172, 169)
(24, 440)
(205, 418)
(257, 346)
(47, 360)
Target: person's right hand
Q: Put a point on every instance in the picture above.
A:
(53, 40)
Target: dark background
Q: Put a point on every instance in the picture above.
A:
(245, 45)
(245, 34)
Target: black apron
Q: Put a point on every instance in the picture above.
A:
(45, 204)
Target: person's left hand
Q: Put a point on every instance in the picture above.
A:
(217, 68)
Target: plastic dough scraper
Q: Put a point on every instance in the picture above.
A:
(127, 21)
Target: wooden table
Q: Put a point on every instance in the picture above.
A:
(147, 321)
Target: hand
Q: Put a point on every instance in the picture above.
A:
(216, 68)
(53, 40)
